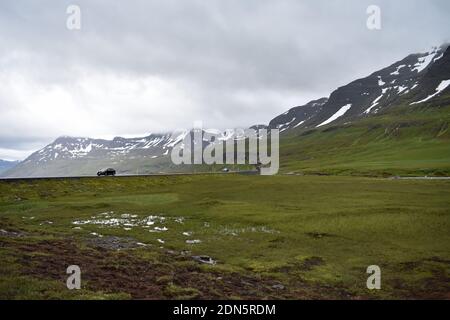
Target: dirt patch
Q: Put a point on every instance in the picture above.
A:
(300, 266)
(434, 283)
(309, 263)
(412, 265)
(165, 276)
(114, 243)
(319, 235)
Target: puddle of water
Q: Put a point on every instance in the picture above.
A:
(96, 234)
(179, 220)
(237, 231)
(126, 220)
(45, 222)
(193, 241)
(141, 244)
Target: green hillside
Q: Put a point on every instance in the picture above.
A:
(404, 140)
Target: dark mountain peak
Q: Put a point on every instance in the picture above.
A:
(296, 116)
(259, 126)
(434, 83)
(417, 76)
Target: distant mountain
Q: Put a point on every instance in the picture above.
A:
(6, 165)
(68, 156)
(417, 78)
(85, 156)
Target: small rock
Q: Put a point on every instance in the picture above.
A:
(11, 234)
(141, 244)
(278, 286)
(204, 259)
(193, 241)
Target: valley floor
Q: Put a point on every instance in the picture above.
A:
(225, 236)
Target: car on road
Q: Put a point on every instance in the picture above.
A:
(106, 172)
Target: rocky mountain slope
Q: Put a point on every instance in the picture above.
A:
(417, 78)
(402, 128)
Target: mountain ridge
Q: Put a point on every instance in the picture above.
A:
(376, 92)
(418, 79)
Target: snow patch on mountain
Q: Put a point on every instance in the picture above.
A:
(396, 72)
(423, 62)
(299, 124)
(286, 125)
(338, 114)
(400, 89)
(374, 103)
(441, 87)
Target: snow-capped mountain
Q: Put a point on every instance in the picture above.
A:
(85, 156)
(418, 78)
(70, 148)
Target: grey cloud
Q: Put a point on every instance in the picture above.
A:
(238, 62)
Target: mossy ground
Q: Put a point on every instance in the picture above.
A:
(313, 235)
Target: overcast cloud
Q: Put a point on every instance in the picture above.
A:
(137, 67)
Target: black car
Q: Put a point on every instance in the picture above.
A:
(106, 172)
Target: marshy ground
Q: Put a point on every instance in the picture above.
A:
(225, 236)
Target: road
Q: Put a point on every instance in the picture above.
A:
(249, 172)
(126, 175)
(420, 178)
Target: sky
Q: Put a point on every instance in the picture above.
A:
(140, 67)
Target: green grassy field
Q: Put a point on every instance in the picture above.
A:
(294, 237)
